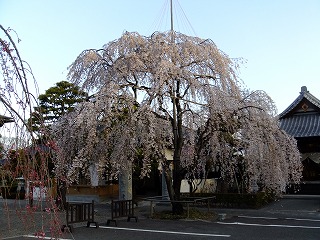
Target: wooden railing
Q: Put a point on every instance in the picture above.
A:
(121, 208)
(77, 212)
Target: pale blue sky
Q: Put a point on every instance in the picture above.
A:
(280, 39)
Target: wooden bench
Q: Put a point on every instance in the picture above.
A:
(77, 212)
(122, 208)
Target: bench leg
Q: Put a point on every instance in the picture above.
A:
(69, 227)
(151, 209)
(90, 222)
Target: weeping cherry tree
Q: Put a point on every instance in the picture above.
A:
(174, 91)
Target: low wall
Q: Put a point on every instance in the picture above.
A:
(305, 188)
(203, 185)
(102, 192)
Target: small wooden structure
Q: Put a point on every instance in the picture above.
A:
(87, 192)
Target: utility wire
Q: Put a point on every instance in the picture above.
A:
(181, 22)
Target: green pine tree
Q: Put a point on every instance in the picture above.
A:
(55, 102)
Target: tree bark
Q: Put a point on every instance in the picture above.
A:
(61, 199)
(177, 207)
(173, 185)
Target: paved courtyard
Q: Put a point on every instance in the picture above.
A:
(289, 218)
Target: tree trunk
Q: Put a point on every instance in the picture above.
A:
(177, 207)
(173, 186)
(61, 199)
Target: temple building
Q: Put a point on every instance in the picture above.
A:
(4, 119)
(302, 121)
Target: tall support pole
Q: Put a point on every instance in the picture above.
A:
(171, 11)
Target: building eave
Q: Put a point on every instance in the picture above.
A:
(304, 94)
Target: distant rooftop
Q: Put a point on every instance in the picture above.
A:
(4, 119)
(302, 117)
(303, 94)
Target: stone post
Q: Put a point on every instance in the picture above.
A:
(125, 183)
(164, 188)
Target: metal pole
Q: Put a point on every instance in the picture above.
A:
(171, 11)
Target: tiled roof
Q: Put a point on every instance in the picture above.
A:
(302, 125)
(4, 119)
(303, 94)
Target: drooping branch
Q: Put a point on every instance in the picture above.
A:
(183, 94)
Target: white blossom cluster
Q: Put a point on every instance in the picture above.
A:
(171, 90)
